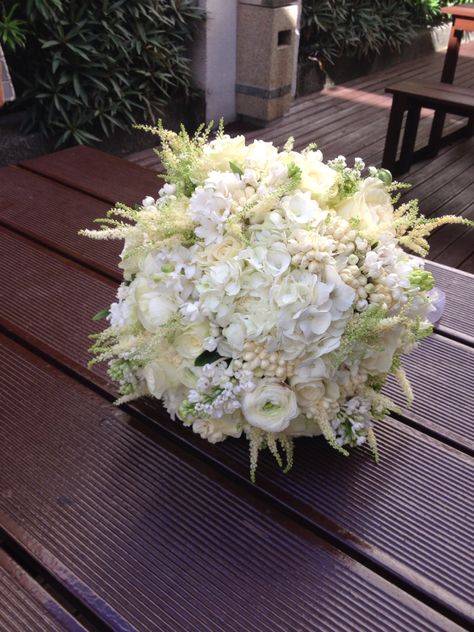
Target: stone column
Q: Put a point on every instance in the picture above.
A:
(266, 49)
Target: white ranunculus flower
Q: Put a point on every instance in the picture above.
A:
(216, 430)
(154, 307)
(371, 204)
(300, 208)
(190, 342)
(270, 406)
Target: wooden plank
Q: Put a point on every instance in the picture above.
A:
(352, 99)
(400, 532)
(53, 214)
(463, 11)
(152, 540)
(457, 249)
(67, 294)
(25, 604)
(458, 317)
(468, 264)
(440, 371)
(97, 173)
(442, 94)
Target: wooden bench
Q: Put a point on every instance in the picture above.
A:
(410, 97)
(140, 525)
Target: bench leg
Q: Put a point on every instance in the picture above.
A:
(389, 160)
(470, 126)
(409, 138)
(436, 132)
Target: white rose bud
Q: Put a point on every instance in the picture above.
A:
(153, 307)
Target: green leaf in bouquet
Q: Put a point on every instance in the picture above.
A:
(207, 357)
(103, 313)
(235, 168)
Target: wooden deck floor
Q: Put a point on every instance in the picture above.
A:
(351, 119)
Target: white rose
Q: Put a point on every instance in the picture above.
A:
(307, 382)
(271, 406)
(160, 376)
(229, 247)
(223, 149)
(309, 394)
(380, 361)
(316, 177)
(371, 204)
(261, 155)
(190, 342)
(153, 307)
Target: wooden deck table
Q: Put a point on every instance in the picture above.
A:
(120, 519)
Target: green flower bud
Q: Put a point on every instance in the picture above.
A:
(385, 176)
(422, 279)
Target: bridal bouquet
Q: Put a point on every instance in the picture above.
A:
(267, 293)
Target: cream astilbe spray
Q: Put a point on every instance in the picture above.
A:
(267, 293)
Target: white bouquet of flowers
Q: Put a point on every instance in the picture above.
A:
(266, 293)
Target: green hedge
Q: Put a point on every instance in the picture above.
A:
(362, 28)
(89, 67)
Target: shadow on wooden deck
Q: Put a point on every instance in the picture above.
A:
(351, 119)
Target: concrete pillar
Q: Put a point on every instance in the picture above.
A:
(214, 58)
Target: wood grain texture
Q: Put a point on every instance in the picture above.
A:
(26, 605)
(346, 499)
(151, 540)
(53, 214)
(101, 175)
